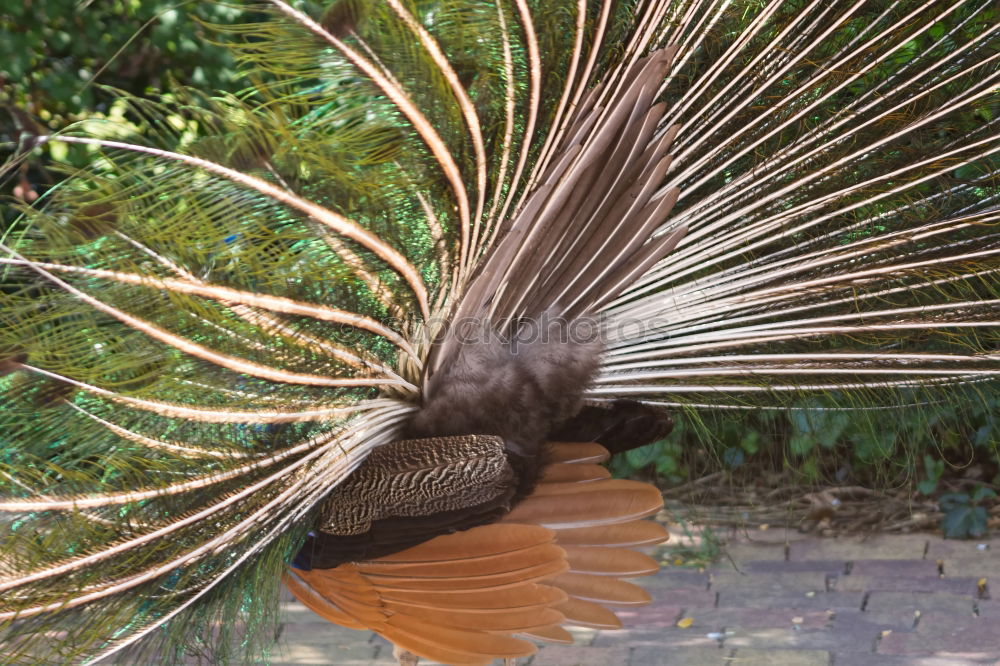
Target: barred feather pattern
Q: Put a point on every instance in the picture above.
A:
(440, 475)
(209, 329)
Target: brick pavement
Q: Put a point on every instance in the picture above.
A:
(784, 599)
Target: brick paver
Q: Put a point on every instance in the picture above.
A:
(784, 599)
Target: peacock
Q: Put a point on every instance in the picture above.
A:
(370, 326)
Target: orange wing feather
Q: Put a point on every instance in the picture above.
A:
(555, 559)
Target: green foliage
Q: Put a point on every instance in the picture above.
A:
(51, 50)
(918, 445)
(964, 515)
(816, 427)
(934, 470)
(62, 60)
(663, 457)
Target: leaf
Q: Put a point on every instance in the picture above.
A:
(750, 442)
(801, 421)
(982, 435)
(733, 457)
(685, 622)
(927, 487)
(950, 501)
(801, 444)
(981, 493)
(964, 521)
(666, 465)
(875, 446)
(934, 468)
(822, 426)
(642, 456)
(834, 425)
(58, 151)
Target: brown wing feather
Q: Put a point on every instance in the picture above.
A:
(479, 601)
(601, 589)
(538, 572)
(632, 534)
(588, 614)
(425, 638)
(471, 568)
(505, 621)
(604, 561)
(553, 634)
(573, 473)
(312, 599)
(603, 486)
(598, 503)
(476, 542)
(456, 598)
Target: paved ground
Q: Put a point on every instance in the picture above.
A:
(783, 600)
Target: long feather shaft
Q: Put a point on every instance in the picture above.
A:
(472, 122)
(685, 265)
(227, 294)
(337, 223)
(837, 359)
(652, 389)
(271, 323)
(74, 503)
(534, 101)
(198, 350)
(149, 442)
(210, 415)
(743, 296)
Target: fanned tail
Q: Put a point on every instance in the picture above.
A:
(208, 330)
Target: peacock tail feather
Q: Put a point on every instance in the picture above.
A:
(208, 329)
